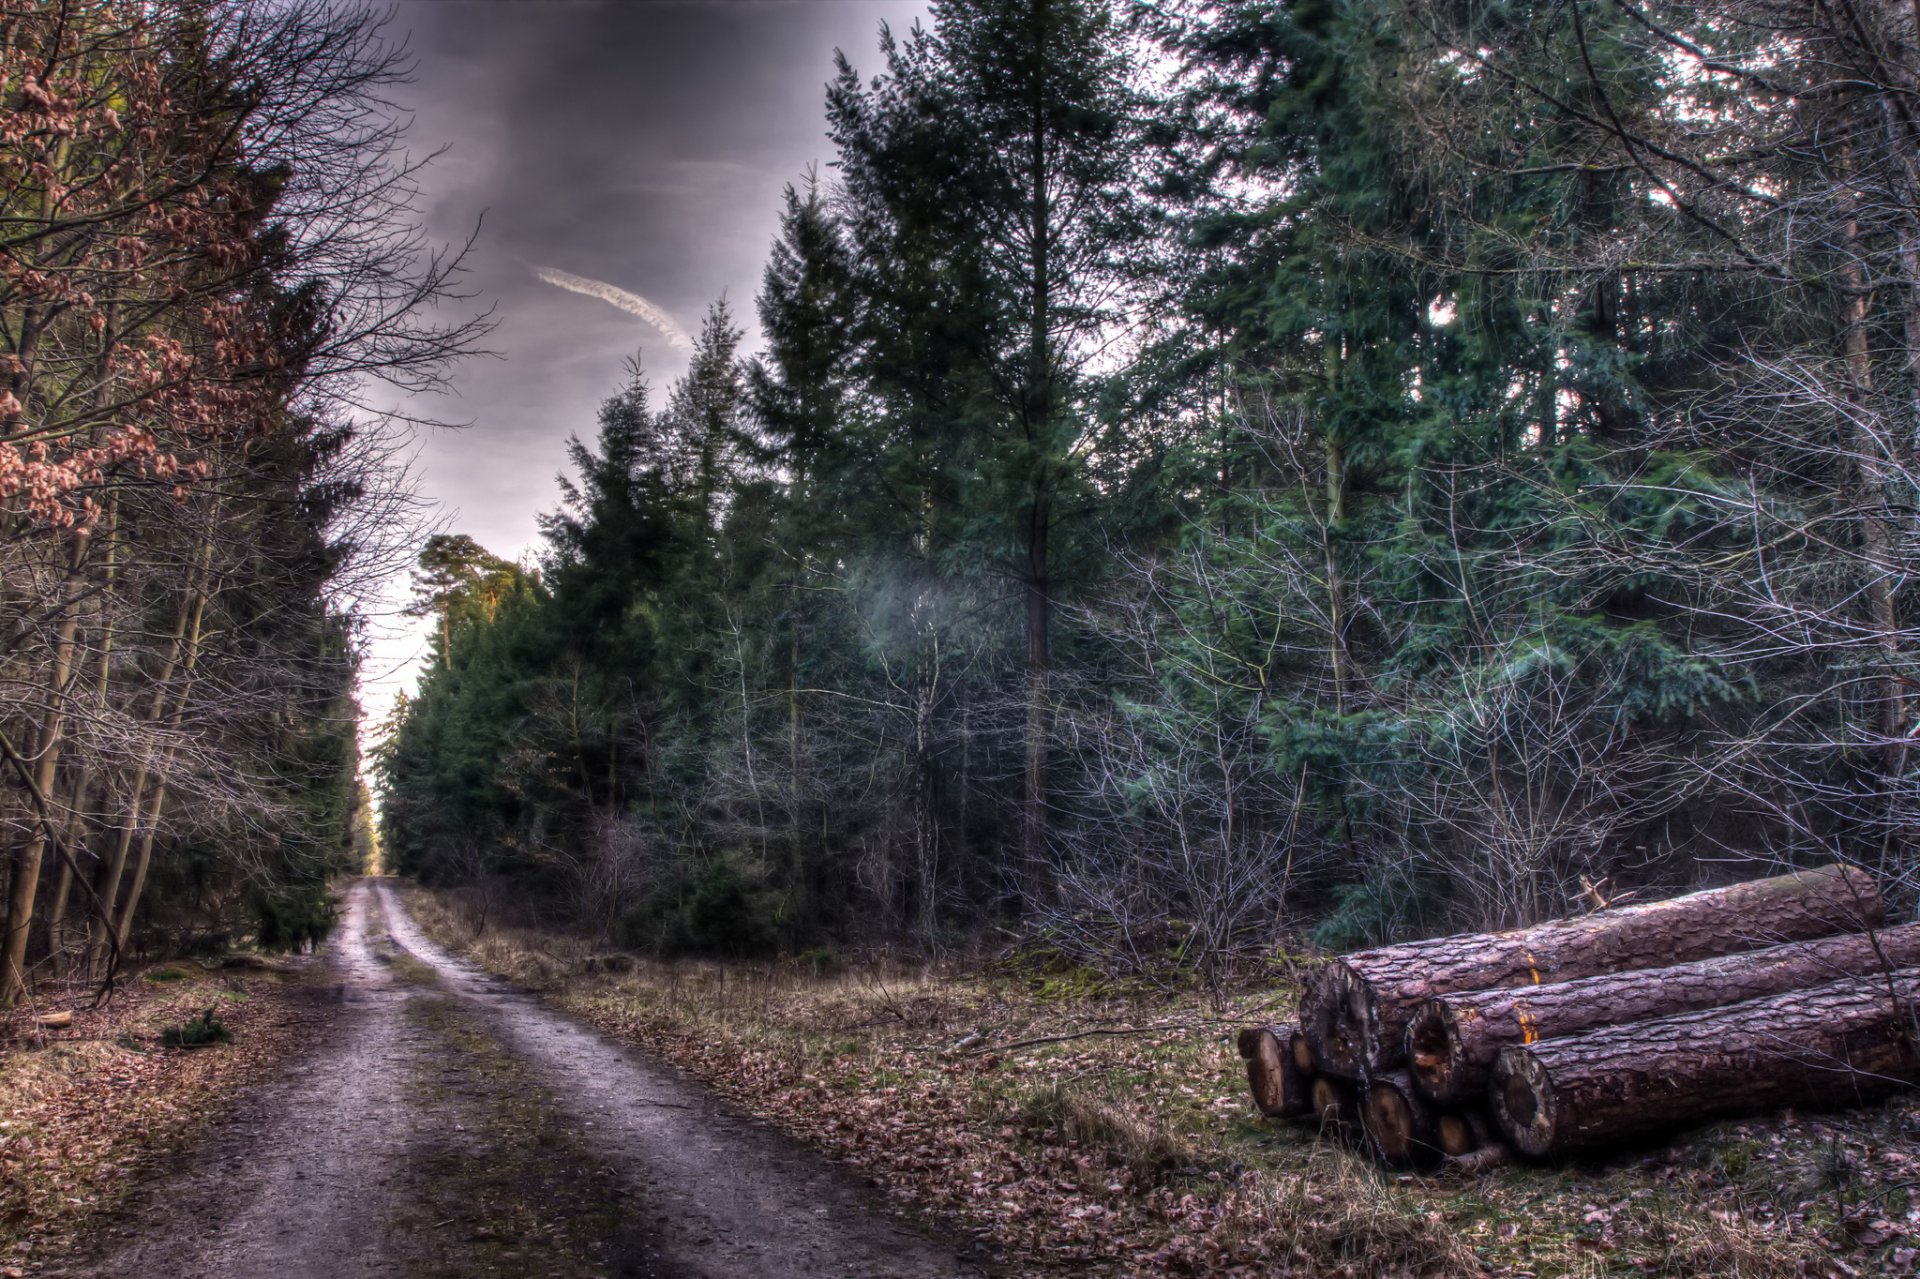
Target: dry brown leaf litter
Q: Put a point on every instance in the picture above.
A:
(85, 1112)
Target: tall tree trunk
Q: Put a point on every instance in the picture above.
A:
(112, 868)
(149, 825)
(799, 885)
(83, 788)
(1039, 696)
(1872, 494)
(1040, 409)
(26, 863)
(1336, 459)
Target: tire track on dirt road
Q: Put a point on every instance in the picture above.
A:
(454, 1126)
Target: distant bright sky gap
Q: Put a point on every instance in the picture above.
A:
(624, 160)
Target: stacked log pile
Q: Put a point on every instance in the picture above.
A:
(1591, 1032)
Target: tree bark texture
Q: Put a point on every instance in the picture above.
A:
(1454, 1040)
(1281, 1089)
(1835, 1045)
(1355, 1010)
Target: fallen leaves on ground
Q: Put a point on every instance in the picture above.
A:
(86, 1111)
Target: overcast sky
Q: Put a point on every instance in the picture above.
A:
(623, 158)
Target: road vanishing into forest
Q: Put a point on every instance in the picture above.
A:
(452, 1125)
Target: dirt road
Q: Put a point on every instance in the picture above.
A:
(454, 1127)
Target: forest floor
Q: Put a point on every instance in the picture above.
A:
(89, 1112)
(1076, 1126)
(422, 1119)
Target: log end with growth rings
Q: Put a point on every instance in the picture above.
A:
(1390, 1126)
(1334, 1102)
(1279, 1088)
(1523, 1102)
(1433, 1049)
(1400, 1127)
(1456, 1136)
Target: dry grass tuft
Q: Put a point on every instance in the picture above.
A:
(1092, 1119)
(532, 959)
(1336, 1215)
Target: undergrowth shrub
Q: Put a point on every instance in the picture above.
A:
(719, 910)
(294, 918)
(1364, 914)
(197, 1032)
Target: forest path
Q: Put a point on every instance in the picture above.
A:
(455, 1127)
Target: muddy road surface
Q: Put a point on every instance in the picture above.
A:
(453, 1126)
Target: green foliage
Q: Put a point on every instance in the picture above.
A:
(197, 1032)
(1365, 914)
(1329, 507)
(294, 918)
(716, 911)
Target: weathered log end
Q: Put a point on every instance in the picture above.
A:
(1302, 1056)
(1433, 1049)
(1523, 1102)
(1280, 1089)
(1401, 1128)
(1455, 1135)
(1336, 1103)
(1327, 1020)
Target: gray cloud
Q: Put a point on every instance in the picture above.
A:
(638, 141)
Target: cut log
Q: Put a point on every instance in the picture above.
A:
(1355, 1010)
(54, 1021)
(1402, 1129)
(1302, 1058)
(1461, 1132)
(1835, 1045)
(1452, 1041)
(1280, 1089)
(1336, 1103)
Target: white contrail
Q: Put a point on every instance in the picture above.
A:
(631, 303)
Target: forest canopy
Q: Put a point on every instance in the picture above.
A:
(1336, 467)
(207, 254)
